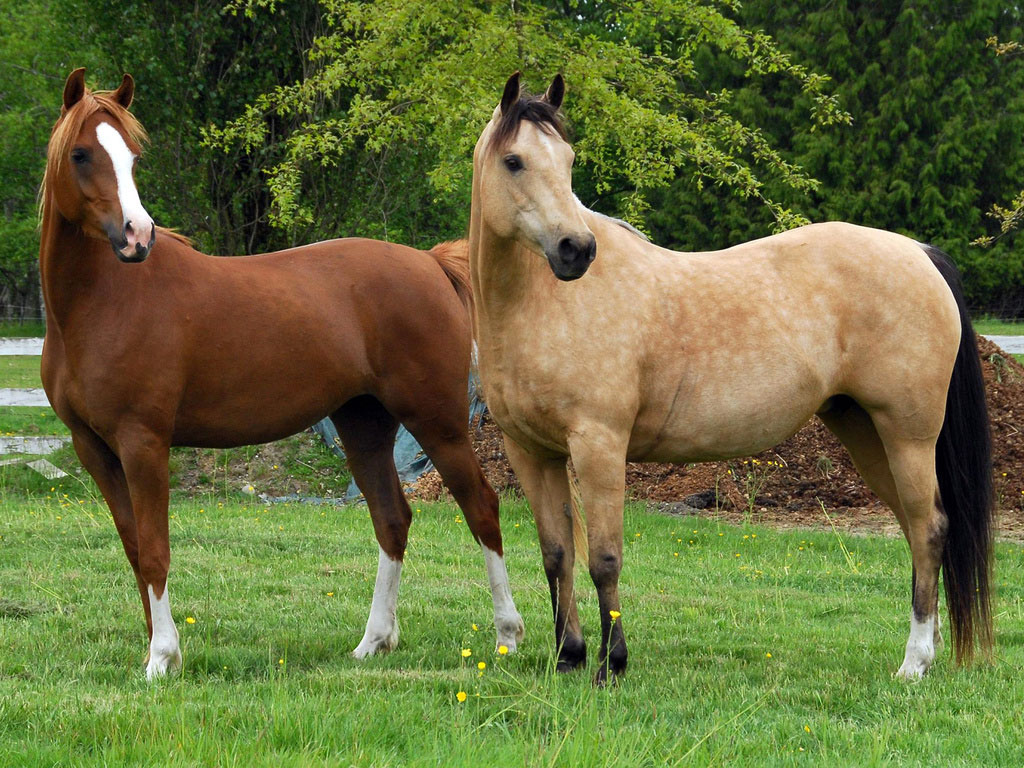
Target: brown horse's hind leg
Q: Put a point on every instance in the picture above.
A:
(546, 485)
(599, 457)
(447, 444)
(367, 433)
(105, 468)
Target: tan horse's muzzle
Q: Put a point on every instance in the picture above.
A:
(573, 256)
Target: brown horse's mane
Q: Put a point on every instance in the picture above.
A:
(534, 109)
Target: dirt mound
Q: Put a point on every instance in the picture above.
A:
(787, 483)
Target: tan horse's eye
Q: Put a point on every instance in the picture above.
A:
(513, 163)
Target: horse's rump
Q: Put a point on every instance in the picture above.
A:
(453, 258)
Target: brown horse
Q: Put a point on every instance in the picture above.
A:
(164, 346)
(653, 355)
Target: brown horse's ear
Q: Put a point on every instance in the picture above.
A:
(125, 91)
(556, 91)
(74, 88)
(511, 94)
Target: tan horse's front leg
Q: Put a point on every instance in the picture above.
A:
(599, 457)
(144, 457)
(546, 486)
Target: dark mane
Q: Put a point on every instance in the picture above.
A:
(532, 108)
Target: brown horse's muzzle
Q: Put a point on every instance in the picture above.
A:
(573, 257)
(131, 245)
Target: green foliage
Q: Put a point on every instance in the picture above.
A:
(408, 86)
(936, 137)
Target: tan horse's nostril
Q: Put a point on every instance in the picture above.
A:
(128, 228)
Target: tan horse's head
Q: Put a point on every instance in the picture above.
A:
(90, 167)
(523, 171)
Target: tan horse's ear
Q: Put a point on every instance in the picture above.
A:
(556, 91)
(511, 94)
(74, 88)
(125, 91)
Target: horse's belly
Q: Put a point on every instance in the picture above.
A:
(738, 421)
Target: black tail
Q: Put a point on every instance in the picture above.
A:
(963, 463)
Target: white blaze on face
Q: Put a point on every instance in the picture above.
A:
(139, 225)
(164, 652)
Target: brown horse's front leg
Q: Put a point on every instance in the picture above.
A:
(599, 457)
(144, 456)
(546, 486)
(105, 468)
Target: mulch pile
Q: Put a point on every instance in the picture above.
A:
(807, 480)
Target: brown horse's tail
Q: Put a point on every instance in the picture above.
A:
(453, 256)
(963, 463)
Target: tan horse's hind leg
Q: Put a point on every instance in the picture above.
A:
(599, 458)
(912, 468)
(856, 431)
(546, 485)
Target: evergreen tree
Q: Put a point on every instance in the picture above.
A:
(936, 137)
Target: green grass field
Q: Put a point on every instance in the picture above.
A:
(750, 646)
(23, 420)
(19, 371)
(26, 329)
(990, 326)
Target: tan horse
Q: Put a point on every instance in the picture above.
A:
(164, 346)
(598, 345)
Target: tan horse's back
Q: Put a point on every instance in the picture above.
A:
(779, 326)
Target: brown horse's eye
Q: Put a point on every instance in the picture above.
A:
(79, 156)
(513, 163)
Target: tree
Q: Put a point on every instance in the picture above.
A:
(398, 93)
(936, 136)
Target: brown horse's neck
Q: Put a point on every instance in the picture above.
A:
(71, 264)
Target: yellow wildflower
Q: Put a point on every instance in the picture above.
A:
(461, 696)
(189, 620)
(503, 649)
(466, 653)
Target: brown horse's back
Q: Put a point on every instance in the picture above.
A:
(255, 348)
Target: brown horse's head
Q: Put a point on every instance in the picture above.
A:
(90, 167)
(523, 166)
